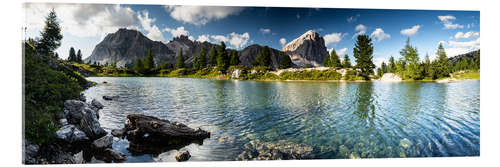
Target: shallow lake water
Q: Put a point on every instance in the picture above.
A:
(337, 119)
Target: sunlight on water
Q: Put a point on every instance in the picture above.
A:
(339, 120)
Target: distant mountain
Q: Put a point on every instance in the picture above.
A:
(126, 46)
(469, 56)
(308, 49)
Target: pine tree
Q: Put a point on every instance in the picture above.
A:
(149, 62)
(51, 35)
(383, 67)
(411, 60)
(427, 66)
(138, 66)
(196, 62)
(363, 52)
(202, 60)
(347, 62)
(285, 61)
(334, 59)
(79, 56)
(212, 59)
(235, 59)
(392, 65)
(222, 60)
(326, 60)
(72, 55)
(180, 60)
(265, 57)
(442, 65)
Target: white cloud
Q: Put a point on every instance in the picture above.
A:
(200, 15)
(203, 38)
(235, 40)
(469, 44)
(332, 38)
(470, 34)
(265, 30)
(82, 25)
(378, 61)
(353, 18)
(360, 30)
(282, 41)
(341, 52)
(447, 22)
(379, 34)
(455, 48)
(411, 31)
(153, 32)
(177, 32)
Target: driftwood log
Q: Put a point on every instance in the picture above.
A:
(149, 134)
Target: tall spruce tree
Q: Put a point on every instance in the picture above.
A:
(79, 56)
(347, 62)
(265, 57)
(410, 55)
(138, 66)
(363, 52)
(212, 59)
(392, 65)
(149, 61)
(285, 61)
(180, 60)
(222, 60)
(383, 67)
(235, 59)
(442, 65)
(326, 60)
(72, 55)
(334, 59)
(202, 60)
(51, 35)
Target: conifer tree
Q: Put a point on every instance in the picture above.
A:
(235, 59)
(180, 60)
(347, 62)
(285, 61)
(149, 62)
(72, 55)
(265, 57)
(326, 60)
(212, 59)
(51, 35)
(79, 56)
(334, 59)
(363, 52)
(442, 65)
(202, 60)
(222, 60)
(392, 65)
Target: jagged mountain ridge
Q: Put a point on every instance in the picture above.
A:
(126, 46)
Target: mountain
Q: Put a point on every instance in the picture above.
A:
(308, 49)
(248, 55)
(126, 46)
(469, 56)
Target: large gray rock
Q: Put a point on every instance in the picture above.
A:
(84, 117)
(103, 143)
(114, 155)
(391, 77)
(71, 134)
(30, 153)
(96, 104)
(308, 49)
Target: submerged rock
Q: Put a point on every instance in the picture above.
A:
(281, 150)
(97, 104)
(405, 143)
(114, 155)
(182, 156)
(109, 97)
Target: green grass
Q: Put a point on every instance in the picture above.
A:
(468, 75)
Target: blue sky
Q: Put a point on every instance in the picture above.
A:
(85, 25)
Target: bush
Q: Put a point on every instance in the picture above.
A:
(45, 91)
(311, 75)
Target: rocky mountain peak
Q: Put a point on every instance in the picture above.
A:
(308, 49)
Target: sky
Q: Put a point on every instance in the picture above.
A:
(85, 25)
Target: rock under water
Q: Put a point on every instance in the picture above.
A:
(281, 150)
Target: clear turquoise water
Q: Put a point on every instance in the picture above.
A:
(339, 120)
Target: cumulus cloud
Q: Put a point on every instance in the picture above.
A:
(177, 32)
(454, 48)
(378, 61)
(200, 15)
(447, 22)
(470, 34)
(341, 52)
(235, 40)
(379, 34)
(282, 41)
(265, 30)
(360, 29)
(411, 31)
(353, 18)
(153, 32)
(332, 38)
(203, 38)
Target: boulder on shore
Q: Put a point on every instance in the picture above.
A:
(391, 77)
(84, 117)
(69, 133)
(182, 156)
(103, 143)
